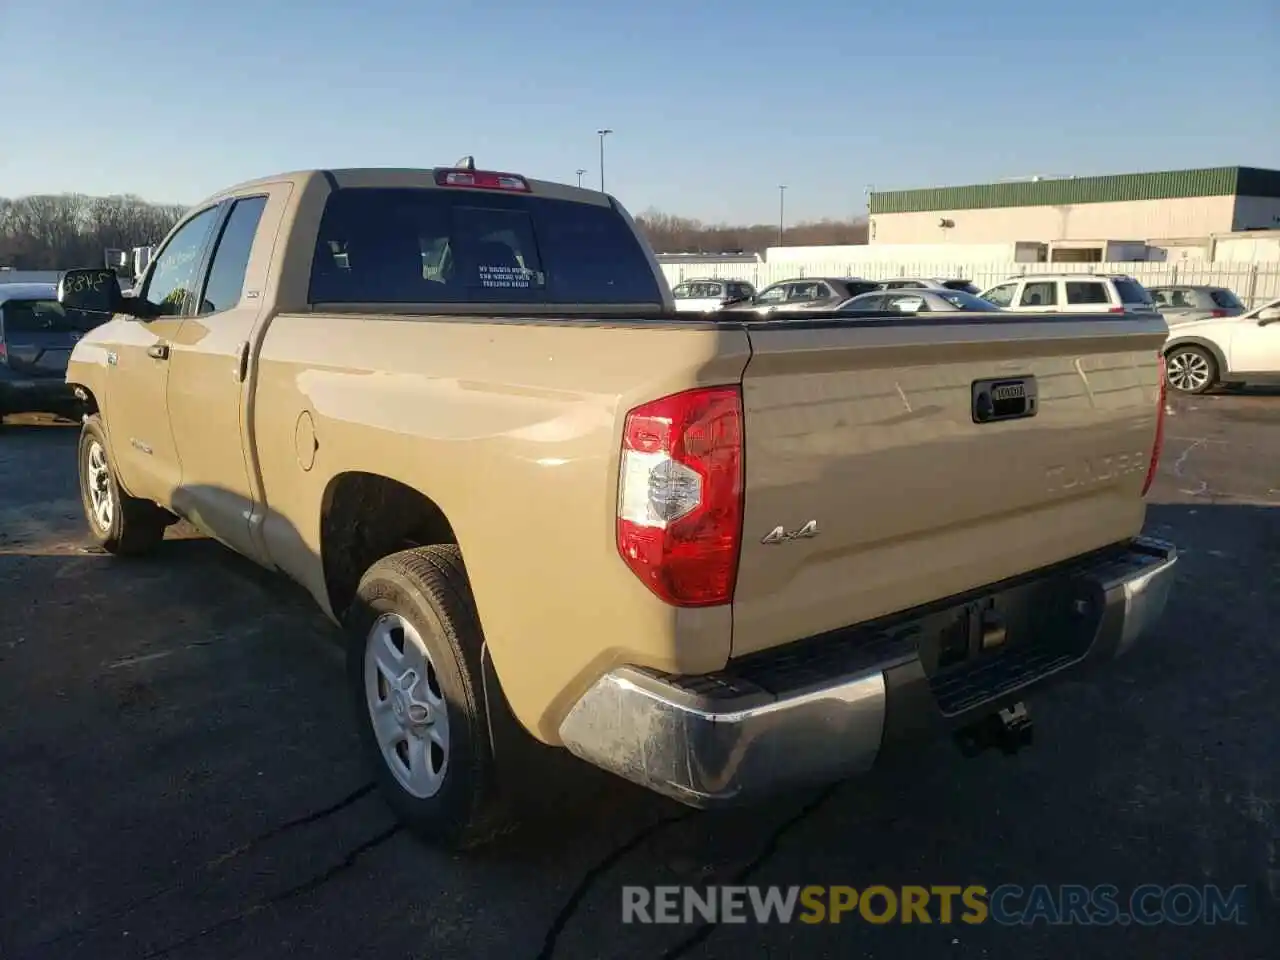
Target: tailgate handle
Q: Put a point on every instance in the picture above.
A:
(1005, 398)
(158, 351)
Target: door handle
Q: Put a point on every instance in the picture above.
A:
(158, 351)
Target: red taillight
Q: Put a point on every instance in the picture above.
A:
(1116, 310)
(1159, 441)
(1217, 313)
(482, 179)
(680, 495)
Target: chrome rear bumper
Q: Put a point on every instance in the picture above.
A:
(708, 741)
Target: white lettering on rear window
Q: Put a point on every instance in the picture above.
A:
(514, 277)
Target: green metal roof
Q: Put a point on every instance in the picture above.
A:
(1210, 182)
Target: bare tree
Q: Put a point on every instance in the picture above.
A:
(671, 234)
(59, 231)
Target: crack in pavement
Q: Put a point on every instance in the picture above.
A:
(680, 949)
(589, 879)
(266, 835)
(122, 911)
(313, 883)
(770, 847)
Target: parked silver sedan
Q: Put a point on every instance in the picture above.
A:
(1182, 303)
(918, 301)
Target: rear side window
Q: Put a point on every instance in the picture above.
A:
(423, 245)
(43, 316)
(1132, 292)
(866, 302)
(966, 301)
(1226, 299)
(1042, 293)
(1080, 292)
(231, 256)
(858, 287)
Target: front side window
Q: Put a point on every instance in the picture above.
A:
(682, 291)
(1002, 295)
(231, 256)
(172, 280)
(773, 294)
(425, 245)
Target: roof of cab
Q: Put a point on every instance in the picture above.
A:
(411, 177)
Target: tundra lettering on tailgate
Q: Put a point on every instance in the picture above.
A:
(1095, 470)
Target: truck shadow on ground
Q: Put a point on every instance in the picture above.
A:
(199, 702)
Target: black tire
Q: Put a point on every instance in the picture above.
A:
(135, 527)
(428, 588)
(1193, 367)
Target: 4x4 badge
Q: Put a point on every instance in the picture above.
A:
(782, 535)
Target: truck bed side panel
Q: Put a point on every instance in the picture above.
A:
(867, 431)
(513, 430)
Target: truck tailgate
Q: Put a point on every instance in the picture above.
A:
(871, 488)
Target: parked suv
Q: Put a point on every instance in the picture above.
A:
(806, 293)
(36, 337)
(1225, 350)
(1181, 304)
(1072, 293)
(711, 294)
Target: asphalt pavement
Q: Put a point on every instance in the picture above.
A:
(179, 774)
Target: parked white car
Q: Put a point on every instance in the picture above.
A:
(1201, 354)
(702, 295)
(1072, 293)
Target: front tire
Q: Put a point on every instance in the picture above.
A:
(119, 524)
(1191, 370)
(413, 666)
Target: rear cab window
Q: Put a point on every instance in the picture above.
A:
(440, 245)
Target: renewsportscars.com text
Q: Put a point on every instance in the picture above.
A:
(1007, 904)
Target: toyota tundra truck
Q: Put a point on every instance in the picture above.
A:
(718, 555)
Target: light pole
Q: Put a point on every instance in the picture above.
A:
(782, 194)
(602, 134)
(580, 173)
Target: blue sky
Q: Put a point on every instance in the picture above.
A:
(714, 102)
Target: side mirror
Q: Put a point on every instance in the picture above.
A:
(1269, 315)
(91, 291)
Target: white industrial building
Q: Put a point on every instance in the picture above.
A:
(1176, 214)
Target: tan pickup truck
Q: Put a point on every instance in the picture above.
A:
(717, 555)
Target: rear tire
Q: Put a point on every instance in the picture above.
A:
(1191, 370)
(119, 524)
(414, 671)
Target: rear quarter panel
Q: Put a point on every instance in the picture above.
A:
(513, 430)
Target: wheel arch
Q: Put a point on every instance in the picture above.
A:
(365, 517)
(1205, 344)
